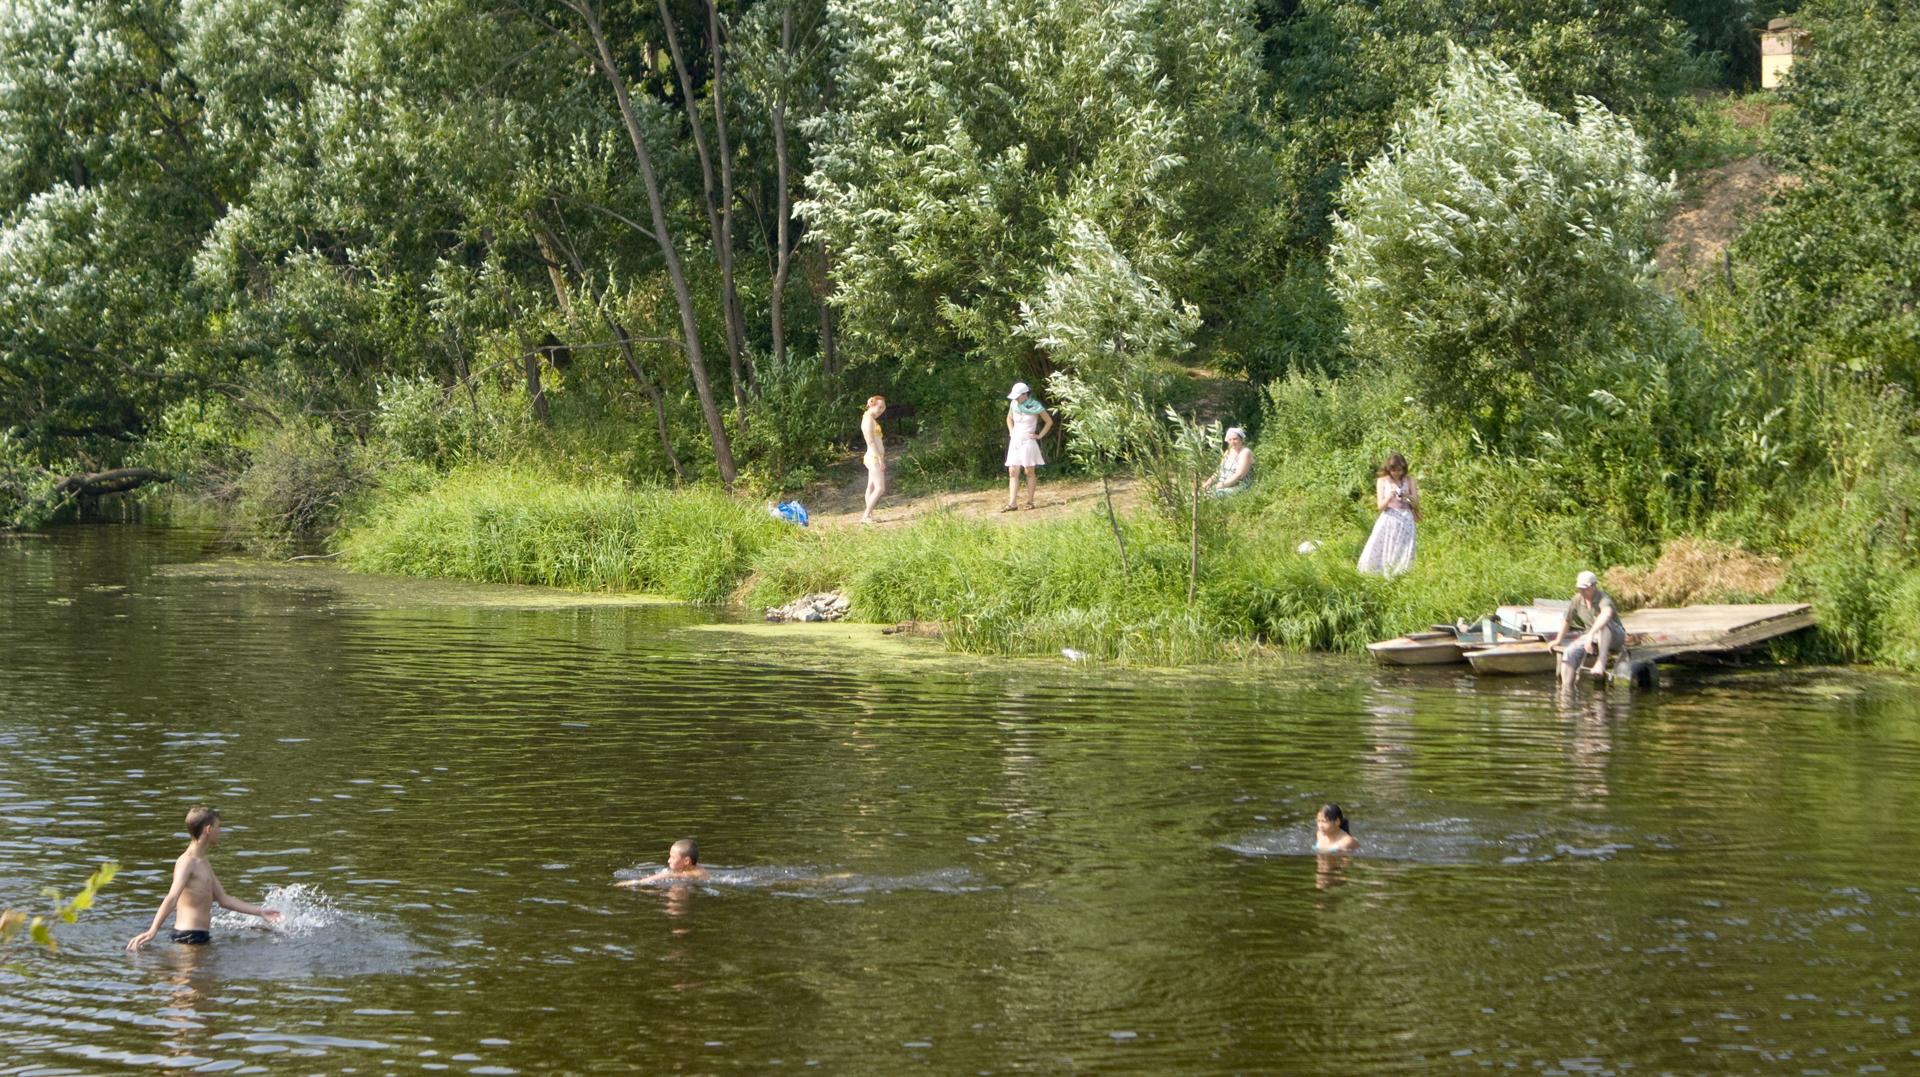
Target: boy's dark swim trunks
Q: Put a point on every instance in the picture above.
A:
(193, 938)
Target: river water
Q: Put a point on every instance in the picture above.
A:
(920, 862)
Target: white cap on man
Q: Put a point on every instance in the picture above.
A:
(1585, 580)
(1019, 390)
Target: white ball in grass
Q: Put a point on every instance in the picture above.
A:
(1307, 547)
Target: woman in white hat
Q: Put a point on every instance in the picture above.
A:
(1027, 423)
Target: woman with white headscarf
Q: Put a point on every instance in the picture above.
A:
(1236, 465)
(1027, 423)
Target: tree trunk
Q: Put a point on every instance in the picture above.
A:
(783, 264)
(531, 363)
(465, 372)
(1113, 521)
(736, 321)
(689, 321)
(652, 392)
(719, 211)
(820, 283)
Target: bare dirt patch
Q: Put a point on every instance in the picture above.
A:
(1696, 570)
(1722, 201)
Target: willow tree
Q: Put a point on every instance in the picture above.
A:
(1497, 249)
(107, 179)
(967, 139)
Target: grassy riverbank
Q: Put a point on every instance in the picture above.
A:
(997, 587)
(1497, 529)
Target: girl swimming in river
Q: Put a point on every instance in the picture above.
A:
(1330, 831)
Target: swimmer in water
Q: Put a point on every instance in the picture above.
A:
(1330, 831)
(683, 865)
(196, 890)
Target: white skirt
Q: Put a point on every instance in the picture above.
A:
(1024, 451)
(1389, 550)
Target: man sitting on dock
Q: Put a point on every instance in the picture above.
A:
(1590, 610)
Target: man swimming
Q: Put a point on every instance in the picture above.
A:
(196, 889)
(683, 865)
(1330, 833)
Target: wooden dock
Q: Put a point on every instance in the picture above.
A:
(1652, 635)
(1660, 634)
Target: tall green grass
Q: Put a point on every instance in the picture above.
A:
(509, 526)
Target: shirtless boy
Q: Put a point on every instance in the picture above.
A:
(196, 890)
(683, 864)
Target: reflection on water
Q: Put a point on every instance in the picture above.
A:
(916, 860)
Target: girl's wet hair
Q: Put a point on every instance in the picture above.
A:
(1332, 814)
(876, 399)
(1393, 460)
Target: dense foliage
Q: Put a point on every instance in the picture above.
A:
(1840, 254)
(1498, 250)
(659, 229)
(977, 146)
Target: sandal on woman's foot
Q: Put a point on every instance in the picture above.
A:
(1008, 508)
(1029, 506)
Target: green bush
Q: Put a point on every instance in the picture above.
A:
(1498, 250)
(27, 494)
(296, 481)
(799, 415)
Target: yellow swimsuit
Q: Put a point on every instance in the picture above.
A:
(879, 436)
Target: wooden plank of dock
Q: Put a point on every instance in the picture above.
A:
(1659, 633)
(1666, 633)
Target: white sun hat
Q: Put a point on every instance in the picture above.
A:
(1585, 579)
(1019, 389)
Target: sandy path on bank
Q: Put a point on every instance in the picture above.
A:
(839, 503)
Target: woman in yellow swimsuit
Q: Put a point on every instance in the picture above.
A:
(876, 458)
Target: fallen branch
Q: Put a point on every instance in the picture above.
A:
(117, 481)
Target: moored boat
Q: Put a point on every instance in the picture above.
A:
(1436, 648)
(1529, 657)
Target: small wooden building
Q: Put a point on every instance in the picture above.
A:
(1778, 44)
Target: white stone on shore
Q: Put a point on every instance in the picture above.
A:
(824, 606)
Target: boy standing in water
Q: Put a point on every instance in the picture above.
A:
(196, 890)
(683, 865)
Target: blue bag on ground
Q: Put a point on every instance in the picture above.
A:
(791, 511)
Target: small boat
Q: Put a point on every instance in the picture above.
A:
(1447, 644)
(1437, 648)
(1531, 657)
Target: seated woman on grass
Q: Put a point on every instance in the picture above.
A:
(1236, 465)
